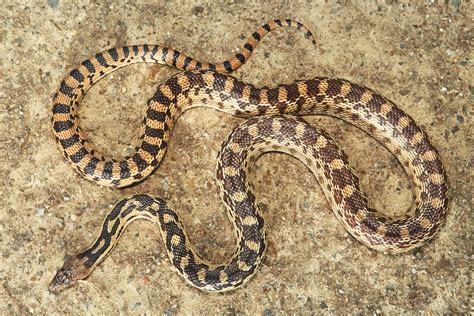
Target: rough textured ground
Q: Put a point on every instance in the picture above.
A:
(420, 57)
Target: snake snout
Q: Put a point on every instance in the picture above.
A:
(73, 270)
(63, 278)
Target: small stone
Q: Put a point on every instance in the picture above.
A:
(404, 92)
(164, 185)
(444, 89)
(450, 52)
(268, 312)
(53, 3)
(460, 118)
(402, 45)
(85, 52)
(323, 305)
(302, 298)
(198, 10)
(66, 197)
(306, 205)
(40, 211)
(137, 305)
(456, 3)
(444, 264)
(413, 270)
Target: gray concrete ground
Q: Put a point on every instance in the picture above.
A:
(418, 56)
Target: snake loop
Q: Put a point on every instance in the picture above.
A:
(269, 129)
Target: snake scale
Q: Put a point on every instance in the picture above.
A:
(269, 128)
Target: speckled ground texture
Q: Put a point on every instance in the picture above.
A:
(419, 57)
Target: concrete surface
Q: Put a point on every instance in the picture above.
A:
(418, 56)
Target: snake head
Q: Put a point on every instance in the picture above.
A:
(73, 269)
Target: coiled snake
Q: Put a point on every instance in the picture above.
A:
(269, 130)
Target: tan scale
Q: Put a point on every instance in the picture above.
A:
(417, 138)
(276, 126)
(223, 277)
(243, 266)
(231, 171)
(437, 203)
(249, 221)
(321, 142)
(366, 97)
(323, 87)
(246, 94)
(336, 164)
(346, 88)
(429, 155)
(437, 178)
(175, 240)
(404, 232)
(348, 190)
(403, 122)
(238, 196)
(184, 262)
(201, 275)
(252, 245)
(385, 108)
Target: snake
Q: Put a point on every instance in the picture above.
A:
(275, 124)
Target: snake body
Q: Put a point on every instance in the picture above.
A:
(270, 130)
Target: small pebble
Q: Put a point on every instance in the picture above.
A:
(303, 299)
(456, 3)
(197, 10)
(53, 3)
(268, 312)
(164, 185)
(323, 305)
(413, 270)
(137, 305)
(404, 92)
(40, 211)
(85, 52)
